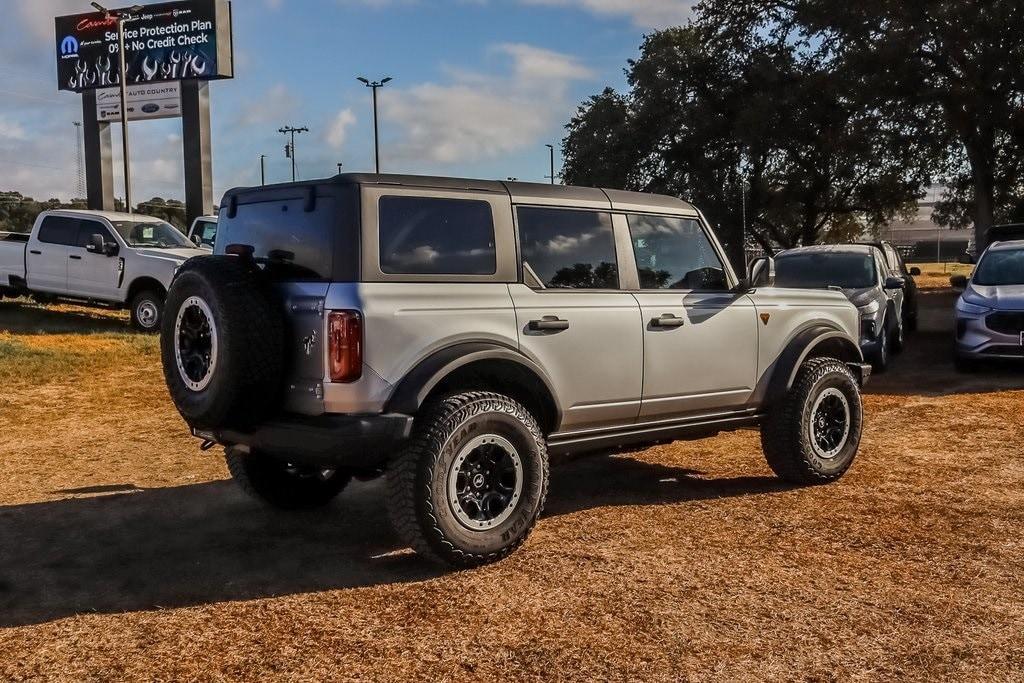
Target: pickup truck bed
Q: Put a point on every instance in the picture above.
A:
(12, 257)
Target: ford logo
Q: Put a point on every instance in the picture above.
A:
(150, 108)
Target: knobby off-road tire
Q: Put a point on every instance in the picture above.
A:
(222, 344)
(284, 486)
(799, 437)
(147, 310)
(438, 486)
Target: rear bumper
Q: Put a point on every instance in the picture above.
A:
(359, 442)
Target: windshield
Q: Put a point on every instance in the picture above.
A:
(151, 235)
(1000, 268)
(818, 270)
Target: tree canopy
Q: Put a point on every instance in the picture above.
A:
(817, 119)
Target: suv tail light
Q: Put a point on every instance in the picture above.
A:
(345, 345)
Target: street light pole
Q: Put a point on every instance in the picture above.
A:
(263, 169)
(289, 130)
(122, 79)
(375, 86)
(552, 149)
(339, 167)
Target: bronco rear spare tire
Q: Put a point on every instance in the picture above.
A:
(222, 343)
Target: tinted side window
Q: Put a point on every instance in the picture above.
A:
(207, 232)
(59, 230)
(89, 228)
(566, 249)
(675, 253)
(428, 236)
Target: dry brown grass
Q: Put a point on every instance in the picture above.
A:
(936, 275)
(123, 554)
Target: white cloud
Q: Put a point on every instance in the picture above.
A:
(481, 116)
(645, 13)
(337, 131)
(11, 129)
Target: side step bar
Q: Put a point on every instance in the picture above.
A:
(638, 435)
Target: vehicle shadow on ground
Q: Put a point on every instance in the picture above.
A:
(24, 317)
(193, 545)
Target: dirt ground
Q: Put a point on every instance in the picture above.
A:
(124, 553)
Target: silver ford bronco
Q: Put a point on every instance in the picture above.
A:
(452, 334)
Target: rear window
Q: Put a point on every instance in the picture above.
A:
(290, 242)
(430, 236)
(59, 230)
(818, 270)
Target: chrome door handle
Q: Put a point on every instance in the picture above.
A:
(548, 324)
(668, 321)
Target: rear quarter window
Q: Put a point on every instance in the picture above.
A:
(434, 236)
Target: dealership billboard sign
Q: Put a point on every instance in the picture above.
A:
(148, 101)
(166, 42)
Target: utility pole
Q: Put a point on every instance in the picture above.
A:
(375, 86)
(80, 189)
(339, 167)
(289, 149)
(552, 150)
(122, 81)
(263, 169)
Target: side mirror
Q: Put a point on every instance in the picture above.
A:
(895, 283)
(96, 245)
(197, 240)
(959, 282)
(762, 272)
(915, 271)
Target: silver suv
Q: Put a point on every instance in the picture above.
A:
(451, 334)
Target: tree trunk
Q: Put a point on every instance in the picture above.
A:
(981, 153)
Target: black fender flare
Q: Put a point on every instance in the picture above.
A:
(416, 386)
(783, 374)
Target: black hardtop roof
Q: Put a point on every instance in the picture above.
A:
(520, 192)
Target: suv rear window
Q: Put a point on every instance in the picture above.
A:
(429, 236)
(567, 249)
(291, 242)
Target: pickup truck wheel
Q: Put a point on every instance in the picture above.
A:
(283, 485)
(470, 486)
(882, 356)
(222, 344)
(812, 435)
(147, 310)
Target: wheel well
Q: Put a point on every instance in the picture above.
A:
(838, 348)
(508, 378)
(141, 285)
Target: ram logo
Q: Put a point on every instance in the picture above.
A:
(69, 46)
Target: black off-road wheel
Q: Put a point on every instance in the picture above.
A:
(147, 310)
(813, 434)
(222, 344)
(470, 486)
(283, 485)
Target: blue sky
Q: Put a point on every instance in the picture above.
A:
(480, 86)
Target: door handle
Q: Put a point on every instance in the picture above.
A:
(36, 253)
(75, 258)
(548, 323)
(668, 322)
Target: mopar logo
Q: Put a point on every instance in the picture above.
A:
(69, 46)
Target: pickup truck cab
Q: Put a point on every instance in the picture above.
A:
(203, 232)
(96, 258)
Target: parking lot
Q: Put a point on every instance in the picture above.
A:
(124, 552)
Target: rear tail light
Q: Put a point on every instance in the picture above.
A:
(345, 345)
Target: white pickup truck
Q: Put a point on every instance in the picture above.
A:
(98, 258)
(203, 232)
